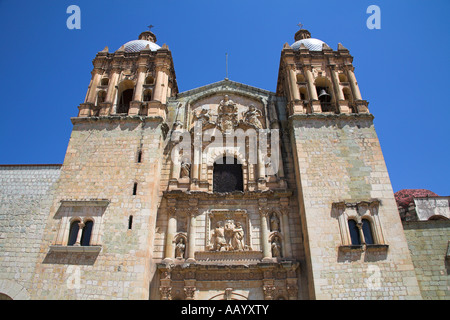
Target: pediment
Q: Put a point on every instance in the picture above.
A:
(225, 87)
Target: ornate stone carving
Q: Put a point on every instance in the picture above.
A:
(269, 291)
(252, 116)
(227, 237)
(203, 115)
(227, 114)
(292, 290)
(185, 170)
(189, 292)
(228, 230)
(166, 293)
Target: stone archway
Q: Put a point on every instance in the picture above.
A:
(5, 297)
(11, 290)
(228, 294)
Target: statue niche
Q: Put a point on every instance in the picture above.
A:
(180, 248)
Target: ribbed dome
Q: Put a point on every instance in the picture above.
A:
(138, 45)
(311, 43)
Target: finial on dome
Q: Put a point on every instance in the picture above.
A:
(302, 33)
(148, 35)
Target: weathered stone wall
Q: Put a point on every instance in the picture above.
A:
(428, 243)
(25, 198)
(432, 207)
(101, 163)
(338, 159)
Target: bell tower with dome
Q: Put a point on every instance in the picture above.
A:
(102, 220)
(137, 79)
(350, 223)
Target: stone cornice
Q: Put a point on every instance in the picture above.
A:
(115, 118)
(322, 116)
(222, 86)
(237, 195)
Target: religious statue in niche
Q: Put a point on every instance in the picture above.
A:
(276, 247)
(252, 116)
(227, 114)
(274, 223)
(180, 248)
(185, 170)
(228, 236)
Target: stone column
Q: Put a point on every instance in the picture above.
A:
(162, 79)
(193, 205)
(139, 83)
(315, 103)
(92, 89)
(80, 232)
(112, 90)
(265, 246)
(170, 234)
(196, 164)
(176, 165)
(335, 79)
(311, 85)
(280, 172)
(293, 80)
(353, 84)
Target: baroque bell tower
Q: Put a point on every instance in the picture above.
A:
(137, 79)
(350, 224)
(102, 222)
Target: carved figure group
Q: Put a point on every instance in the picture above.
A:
(252, 116)
(228, 237)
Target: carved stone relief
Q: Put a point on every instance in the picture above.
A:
(227, 230)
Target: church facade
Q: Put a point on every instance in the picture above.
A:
(226, 191)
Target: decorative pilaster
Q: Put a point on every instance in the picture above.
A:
(269, 291)
(192, 211)
(264, 212)
(285, 227)
(165, 288)
(261, 165)
(292, 289)
(189, 289)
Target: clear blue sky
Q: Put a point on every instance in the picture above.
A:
(402, 69)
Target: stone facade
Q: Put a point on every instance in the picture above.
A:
(221, 192)
(428, 242)
(25, 198)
